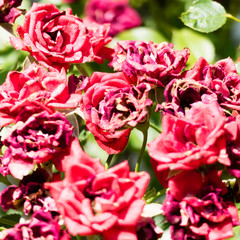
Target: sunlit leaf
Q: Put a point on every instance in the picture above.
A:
(9, 220)
(199, 45)
(204, 16)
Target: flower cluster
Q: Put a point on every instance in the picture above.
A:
(46, 107)
(99, 201)
(42, 225)
(200, 135)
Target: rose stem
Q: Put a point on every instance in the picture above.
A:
(108, 161)
(155, 128)
(82, 70)
(145, 136)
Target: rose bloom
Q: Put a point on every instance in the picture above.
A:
(200, 210)
(42, 225)
(221, 78)
(41, 138)
(112, 107)
(197, 139)
(9, 11)
(180, 94)
(93, 200)
(55, 38)
(34, 89)
(149, 62)
(98, 34)
(118, 13)
(29, 194)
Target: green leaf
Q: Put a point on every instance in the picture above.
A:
(204, 16)
(2, 228)
(74, 122)
(199, 45)
(84, 135)
(161, 222)
(9, 220)
(150, 194)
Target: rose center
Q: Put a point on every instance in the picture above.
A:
(125, 106)
(53, 35)
(93, 194)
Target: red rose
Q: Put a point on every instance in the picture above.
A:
(33, 90)
(41, 138)
(94, 201)
(98, 34)
(221, 78)
(149, 62)
(197, 139)
(111, 107)
(118, 13)
(55, 38)
(201, 209)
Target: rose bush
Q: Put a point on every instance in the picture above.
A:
(78, 94)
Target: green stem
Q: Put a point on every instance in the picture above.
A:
(7, 222)
(155, 128)
(160, 193)
(109, 159)
(82, 70)
(145, 135)
(91, 237)
(228, 15)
